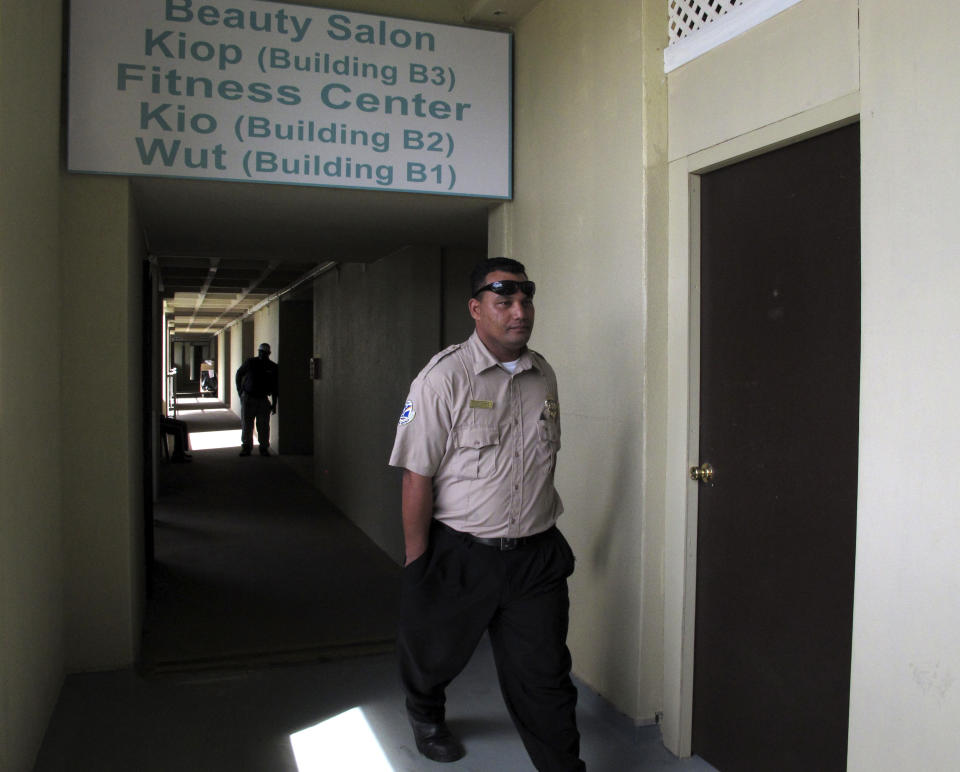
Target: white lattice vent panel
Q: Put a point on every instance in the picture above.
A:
(689, 16)
(696, 26)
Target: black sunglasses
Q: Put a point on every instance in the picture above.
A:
(509, 287)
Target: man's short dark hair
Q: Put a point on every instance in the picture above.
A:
(490, 264)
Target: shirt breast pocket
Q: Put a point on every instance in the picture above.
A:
(476, 452)
(549, 434)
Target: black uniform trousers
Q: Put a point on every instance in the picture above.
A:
(254, 409)
(457, 590)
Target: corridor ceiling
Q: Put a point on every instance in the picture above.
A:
(222, 249)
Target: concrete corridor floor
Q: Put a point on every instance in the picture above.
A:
(268, 647)
(254, 566)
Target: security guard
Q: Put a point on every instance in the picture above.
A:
(478, 441)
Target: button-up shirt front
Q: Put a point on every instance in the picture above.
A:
(488, 439)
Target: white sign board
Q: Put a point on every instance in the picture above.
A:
(271, 92)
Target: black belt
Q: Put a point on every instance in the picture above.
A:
(502, 543)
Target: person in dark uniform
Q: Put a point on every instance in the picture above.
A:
(477, 441)
(257, 384)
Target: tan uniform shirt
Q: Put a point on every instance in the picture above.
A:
(488, 439)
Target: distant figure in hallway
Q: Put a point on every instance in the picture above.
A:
(257, 382)
(208, 378)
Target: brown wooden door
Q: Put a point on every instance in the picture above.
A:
(780, 358)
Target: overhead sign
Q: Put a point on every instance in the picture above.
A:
(268, 92)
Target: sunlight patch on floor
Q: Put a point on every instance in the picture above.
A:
(342, 742)
(205, 404)
(227, 438)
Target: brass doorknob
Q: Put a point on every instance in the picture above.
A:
(702, 473)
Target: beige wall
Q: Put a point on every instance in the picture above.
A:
(800, 59)
(71, 553)
(101, 423)
(585, 172)
(225, 368)
(31, 542)
(905, 700)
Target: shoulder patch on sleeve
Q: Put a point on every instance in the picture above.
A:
(408, 413)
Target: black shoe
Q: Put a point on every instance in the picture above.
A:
(264, 451)
(436, 741)
(245, 452)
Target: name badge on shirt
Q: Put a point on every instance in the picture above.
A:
(485, 404)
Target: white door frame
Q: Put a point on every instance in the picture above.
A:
(683, 392)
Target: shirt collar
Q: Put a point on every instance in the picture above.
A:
(482, 359)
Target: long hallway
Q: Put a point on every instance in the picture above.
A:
(253, 565)
(268, 644)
